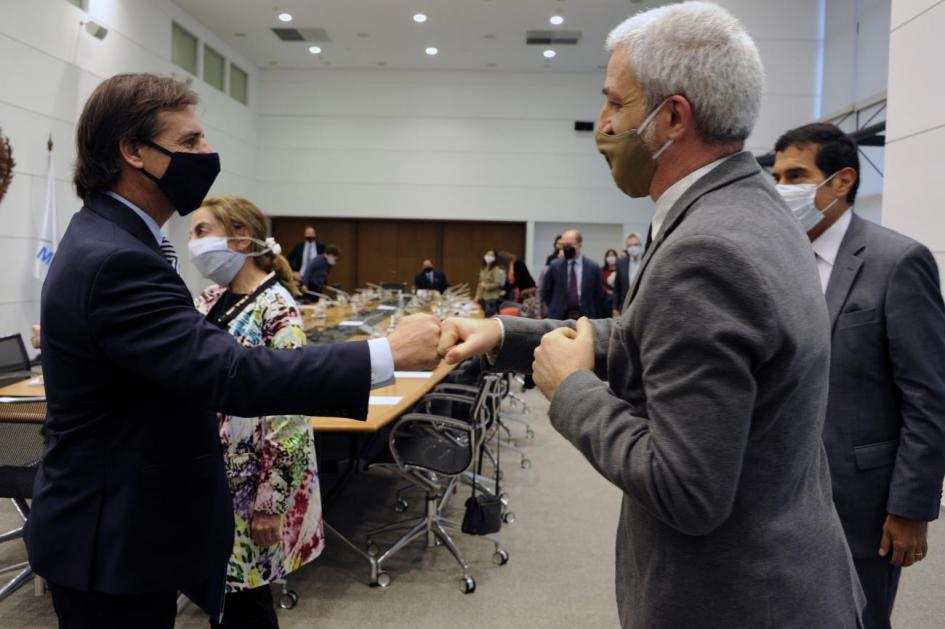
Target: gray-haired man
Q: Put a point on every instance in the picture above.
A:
(705, 401)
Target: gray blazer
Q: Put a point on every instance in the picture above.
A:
(707, 410)
(885, 428)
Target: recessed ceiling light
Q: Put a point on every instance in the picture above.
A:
(285, 17)
(419, 18)
(556, 20)
(314, 49)
(240, 34)
(490, 65)
(382, 63)
(364, 35)
(489, 35)
(432, 51)
(549, 54)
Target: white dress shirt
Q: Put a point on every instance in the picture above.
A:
(309, 253)
(827, 246)
(153, 227)
(668, 199)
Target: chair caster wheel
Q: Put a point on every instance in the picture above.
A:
(526, 464)
(509, 517)
(504, 498)
(372, 549)
(401, 505)
(288, 600)
(468, 585)
(529, 434)
(383, 580)
(500, 557)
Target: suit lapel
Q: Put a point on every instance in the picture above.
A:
(739, 166)
(846, 267)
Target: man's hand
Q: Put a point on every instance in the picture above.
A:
(462, 338)
(561, 353)
(907, 539)
(36, 337)
(265, 529)
(413, 343)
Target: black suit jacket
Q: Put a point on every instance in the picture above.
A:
(439, 281)
(885, 426)
(622, 282)
(317, 274)
(298, 251)
(130, 495)
(555, 290)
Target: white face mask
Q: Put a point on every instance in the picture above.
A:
(217, 262)
(611, 259)
(331, 260)
(489, 259)
(635, 251)
(800, 198)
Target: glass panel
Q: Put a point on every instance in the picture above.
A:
(183, 49)
(214, 68)
(239, 84)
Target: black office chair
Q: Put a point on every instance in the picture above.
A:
(433, 452)
(14, 361)
(21, 446)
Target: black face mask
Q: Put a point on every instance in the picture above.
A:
(427, 269)
(310, 239)
(187, 179)
(569, 252)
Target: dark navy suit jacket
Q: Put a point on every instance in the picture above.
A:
(316, 275)
(885, 427)
(130, 496)
(439, 281)
(555, 290)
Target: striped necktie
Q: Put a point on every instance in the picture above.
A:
(169, 254)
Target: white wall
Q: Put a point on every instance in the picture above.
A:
(915, 134)
(51, 66)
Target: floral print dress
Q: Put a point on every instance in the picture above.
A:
(270, 461)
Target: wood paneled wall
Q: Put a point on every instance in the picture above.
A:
(374, 250)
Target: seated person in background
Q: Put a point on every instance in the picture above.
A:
(305, 252)
(316, 276)
(270, 461)
(430, 278)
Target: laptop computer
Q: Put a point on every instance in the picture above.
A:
(14, 361)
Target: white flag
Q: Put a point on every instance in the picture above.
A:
(49, 237)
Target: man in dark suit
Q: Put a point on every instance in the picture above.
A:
(704, 403)
(573, 286)
(130, 502)
(627, 268)
(885, 427)
(430, 278)
(316, 276)
(303, 253)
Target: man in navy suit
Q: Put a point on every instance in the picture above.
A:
(130, 502)
(430, 278)
(885, 426)
(573, 286)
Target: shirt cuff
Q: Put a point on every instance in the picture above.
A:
(382, 363)
(494, 354)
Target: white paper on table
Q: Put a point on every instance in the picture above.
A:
(387, 308)
(351, 324)
(36, 382)
(420, 375)
(385, 400)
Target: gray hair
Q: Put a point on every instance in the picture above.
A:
(577, 235)
(635, 235)
(701, 52)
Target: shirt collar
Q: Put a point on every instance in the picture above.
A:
(827, 245)
(668, 199)
(148, 220)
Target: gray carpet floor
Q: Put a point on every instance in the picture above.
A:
(560, 574)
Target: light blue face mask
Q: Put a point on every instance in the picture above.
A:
(217, 262)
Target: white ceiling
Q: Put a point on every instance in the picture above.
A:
(460, 29)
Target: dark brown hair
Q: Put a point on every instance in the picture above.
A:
(124, 107)
(236, 213)
(332, 250)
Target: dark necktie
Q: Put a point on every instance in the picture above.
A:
(169, 254)
(573, 301)
(649, 238)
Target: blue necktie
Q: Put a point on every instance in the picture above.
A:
(169, 254)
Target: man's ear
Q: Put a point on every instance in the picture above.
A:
(131, 152)
(846, 178)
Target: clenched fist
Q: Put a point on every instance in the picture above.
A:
(561, 353)
(462, 338)
(413, 343)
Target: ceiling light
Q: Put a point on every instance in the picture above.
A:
(285, 17)
(549, 53)
(432, 51)
(314, 49)
(556, 20)
(420, 18)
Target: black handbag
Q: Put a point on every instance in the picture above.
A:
(483, 512)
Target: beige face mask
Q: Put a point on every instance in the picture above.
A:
(631, 165)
